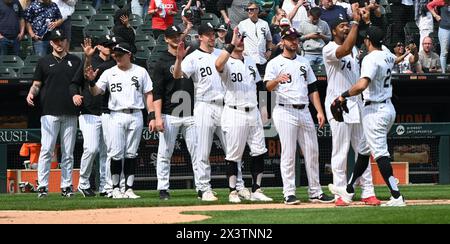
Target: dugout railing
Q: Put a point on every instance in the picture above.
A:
(427, 143)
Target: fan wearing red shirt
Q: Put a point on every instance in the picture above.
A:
(163, 12)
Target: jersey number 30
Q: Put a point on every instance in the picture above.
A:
(236, 77)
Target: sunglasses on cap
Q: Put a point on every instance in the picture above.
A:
(250, 9)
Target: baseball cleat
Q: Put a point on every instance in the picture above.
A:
(322, 198)
(234, 197)
(87, 192)
(341, 192)
(340, 203)
(130, 194)
(373, 201)
(291, 200)
(395, 202)
(164, 195)
(42, 192)
(208, 196)
(244, 194)
(117, 194)
(67, 192)
(258, 195)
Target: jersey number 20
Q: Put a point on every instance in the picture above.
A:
(205, 71)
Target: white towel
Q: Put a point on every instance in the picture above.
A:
(159, 4)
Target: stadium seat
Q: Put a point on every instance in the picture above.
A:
(11, 61)
(412, 33)
(146, 28)
(85, 9)
(151, 64)
(120, 3)
(26, 72)
(158, 49)
(103, 19)
(136, 20)
(145, 44)
(160, 40)
(108, 8)
(95, 30)
(79, 21)
(31, 60)
(7, 73)
(211, 18)
(26, 47)
(144, 38)
(141, 57)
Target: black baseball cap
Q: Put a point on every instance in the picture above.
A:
(56, 34)
(375, 35)
(108, 40)
(222, 27)
(206, 28)
(186, 13)
(172, 31)
(338, 21)
(122, 47)
(289, 32)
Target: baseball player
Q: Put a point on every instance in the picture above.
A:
(51, 80)
(171, 114)
(209, 94)
(241, 121)
(92, 111)
(293, 80)
(342, 66)
(378, 115)
(128, 85)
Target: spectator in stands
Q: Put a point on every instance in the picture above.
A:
(297, 10)
(268, 9)
(196, 11)
(444, 28)
(66, 7)
(190, 33)
(123, 29)
(424, 19)
(346, 5)
(25, 3)
(330, 12)
(402, 13)
(258, 39)
(136, 7)
(220, 39)
(315, 35)
(233, 12)
(163, 12)
(42, 16)
(428, 59)
(12, 26)
(279, 21)
(407, 59)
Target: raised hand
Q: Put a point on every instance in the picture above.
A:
(87, 47)
(77, 100)
(181, 50)
(90, 74)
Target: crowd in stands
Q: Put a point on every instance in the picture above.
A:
(417, 31)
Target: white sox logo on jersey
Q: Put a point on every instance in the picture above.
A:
(135, 82)
(253, 72)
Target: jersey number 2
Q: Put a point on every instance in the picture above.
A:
(387, 80)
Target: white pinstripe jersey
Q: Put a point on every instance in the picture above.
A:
(377, 66)
(295, 90)
(201, 67)
(240, 80)
(341, 73)
(126, 88)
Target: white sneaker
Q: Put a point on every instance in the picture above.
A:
(399, 202)
(244, 194)
(116, 194)
(342, 192)
(208, 196)
(130, 194)
(234, 197)
(258, 195)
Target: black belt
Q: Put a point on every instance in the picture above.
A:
(218, 102)
(296, 106)
(246, 109)
(370, 102)
(128, 110)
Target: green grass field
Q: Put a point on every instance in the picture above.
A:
(410, 214)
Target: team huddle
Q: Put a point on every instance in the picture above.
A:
(218, 90)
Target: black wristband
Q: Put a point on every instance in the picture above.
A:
(151, 116)
(345, 94)
(92, 83)
(230, 48)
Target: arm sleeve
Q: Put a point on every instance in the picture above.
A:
(270, 73)
(329, 53)
(146, 81)
(57, 14)
(312, 87)
(102, 82)
(39, 73)
(327, 33)
(367, 69)
(268, 33)
(187, 66)
(225, 74)
(158, 88)
(310, 75)
(77, 80)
